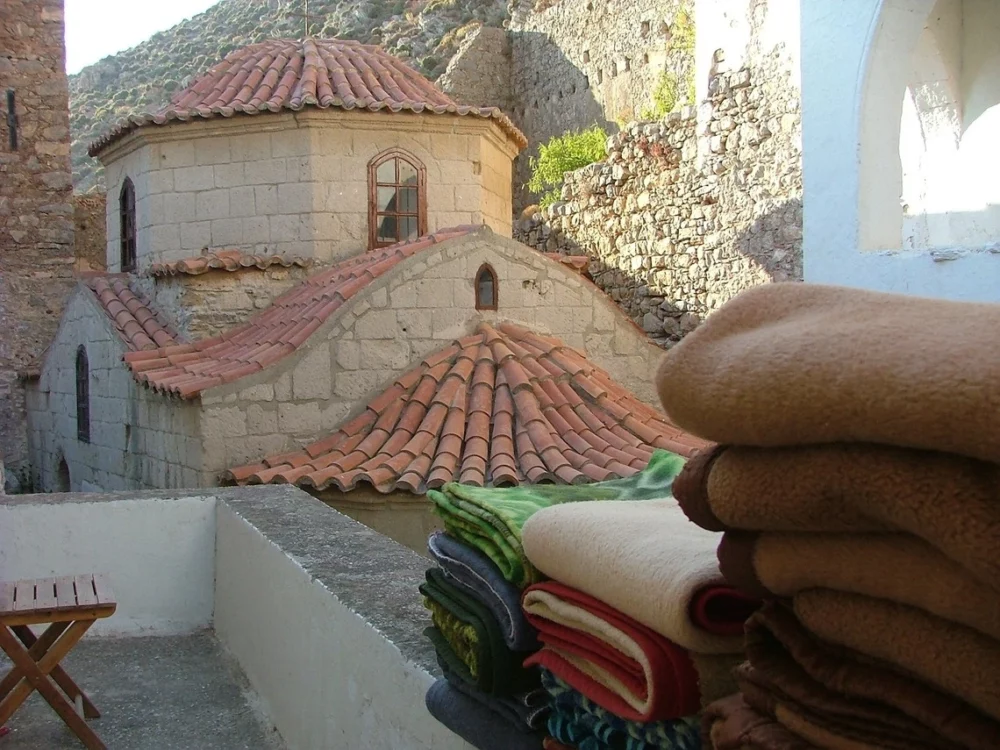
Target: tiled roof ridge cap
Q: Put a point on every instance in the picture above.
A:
(229, 260)
(139, 325)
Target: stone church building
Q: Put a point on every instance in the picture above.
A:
(312, 281)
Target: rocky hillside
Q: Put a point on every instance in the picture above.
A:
(424, 32)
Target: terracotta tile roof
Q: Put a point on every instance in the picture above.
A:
(274, 333)
(289, 74)
(579, 263)
(500, 407)
(137, 323)
(225, 260)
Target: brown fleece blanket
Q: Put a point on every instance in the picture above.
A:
(897, 567)
(796, 364)
(950, 657)
(853, 697)
(949, 501)
(731, 724)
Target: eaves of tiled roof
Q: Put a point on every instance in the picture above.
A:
(225, 260)
(288, 74)
(579, 263)
(500, 407)
(132, 316)
(186, 370)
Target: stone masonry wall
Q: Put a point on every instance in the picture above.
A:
(581, 62)
(399, 320)
(36, 216)
(682, 219)
(90, 237)
(138, 439)
(479, 73)
(210, 303)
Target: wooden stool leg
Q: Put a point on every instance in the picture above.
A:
(37, 649)
(36, 675)
(63, 680)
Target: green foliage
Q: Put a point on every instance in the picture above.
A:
(664, 97)
(682, 33)
(562, 154)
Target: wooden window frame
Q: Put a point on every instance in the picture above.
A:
(487, 268)
(126, 226)
(374, 184)
(82, 395)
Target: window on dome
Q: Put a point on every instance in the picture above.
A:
(397, 207)
(126, 211)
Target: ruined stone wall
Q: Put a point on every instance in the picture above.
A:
(208, 304)
(90, 236)
(682, 216)
(580, 62)
(479, 73)
(36, 216)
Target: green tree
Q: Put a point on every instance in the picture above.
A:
(562, 154)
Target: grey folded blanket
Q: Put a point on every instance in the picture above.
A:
(472, 571)
(524, 711)
(475, 723)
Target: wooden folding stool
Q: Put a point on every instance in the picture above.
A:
(69, 606)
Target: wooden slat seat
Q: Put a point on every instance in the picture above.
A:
(70, 605)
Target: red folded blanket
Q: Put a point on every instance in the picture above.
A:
(615, 661)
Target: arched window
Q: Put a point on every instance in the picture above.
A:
(126, 212)
(82, 395)
(397, 206)
(486, 288)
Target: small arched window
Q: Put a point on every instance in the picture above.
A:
(486, 288)
(126, 212)
(82, 395)
(397, 206)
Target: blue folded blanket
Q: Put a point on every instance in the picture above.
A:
(579, 722)
(526, 711)
(471, 570)
(475, 723)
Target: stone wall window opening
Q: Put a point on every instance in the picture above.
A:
(82, 395)
(126, 226)
(486, 288)
(397, 200)
(12, 119)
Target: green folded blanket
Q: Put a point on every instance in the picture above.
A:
(468, 638)
(491, 518)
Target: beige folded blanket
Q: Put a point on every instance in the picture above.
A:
(949, 501)
(951, 657)
(793, 364)
(731, 724)
(897, 567)
(645, 559)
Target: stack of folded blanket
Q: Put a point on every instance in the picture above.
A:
(639, 687)
(857, 479)
(638, 628)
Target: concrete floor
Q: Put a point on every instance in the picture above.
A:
(154, 693)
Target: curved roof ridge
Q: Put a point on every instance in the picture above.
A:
(186, 370)
(291, 74)
(133, 317)
(503, 406)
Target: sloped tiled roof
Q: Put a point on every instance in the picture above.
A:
(186, 370)
(579, 263)
(134, 319)
(500, 407)
(225, 260)
(290, 74)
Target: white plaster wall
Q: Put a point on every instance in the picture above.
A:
(855, 64)
(325, 677)
(158, 552)
(418, 308)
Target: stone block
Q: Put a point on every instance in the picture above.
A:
(325, 226)
(256, 229)
(229, 175)
(194, 178)
(385, 354)
(174, 155)
(212, 204)
(214, 150)
(178, 208)
(283, 387)
(223, 422)
(261, 421)
(295, 198)
(359, 385)
(265, 200)
(377, 324)
(164, 239)
(266, 172)
(196, 235)
(348, 354)
(250, 147)
(290, 143)
(227, 232)
(241, 202)
(311, 378)
(288, 228)
(449, 323)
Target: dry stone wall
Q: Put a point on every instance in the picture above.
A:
(36, 215)
(479, 73)
(681, 217)
(581, 62)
